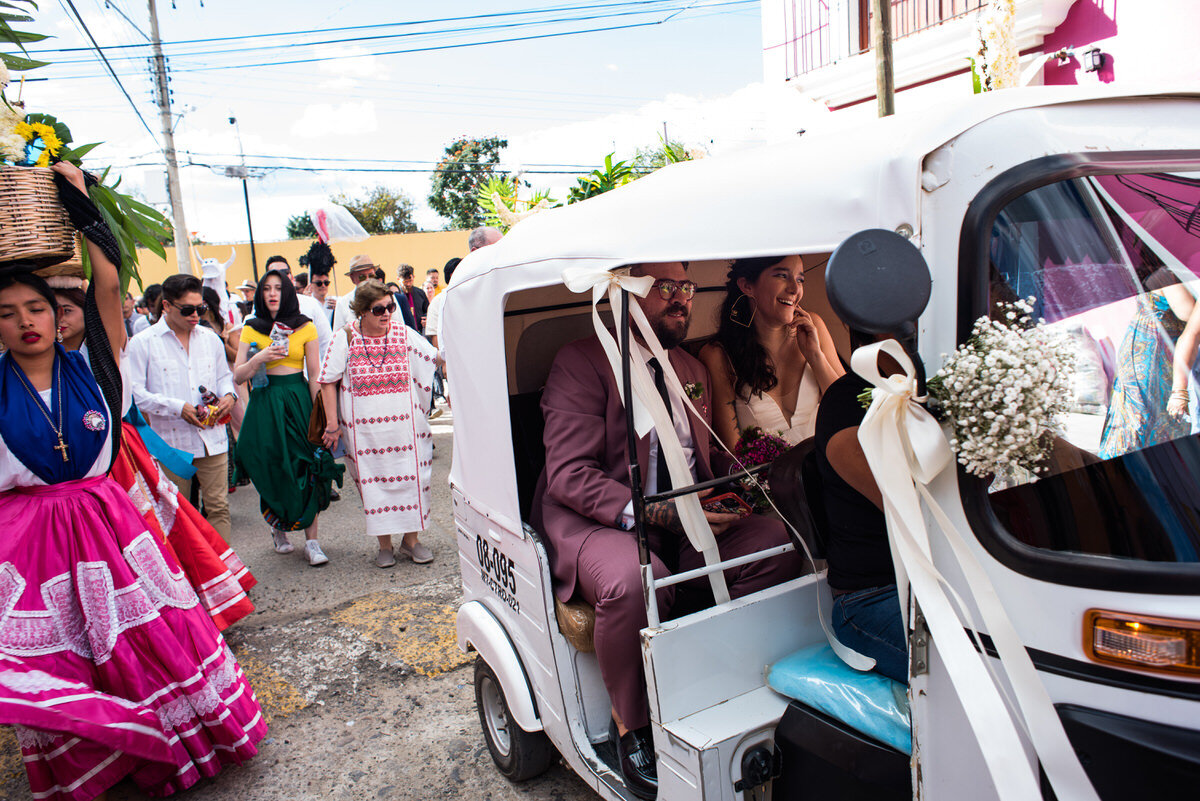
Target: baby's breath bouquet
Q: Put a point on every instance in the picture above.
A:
(1003, 392)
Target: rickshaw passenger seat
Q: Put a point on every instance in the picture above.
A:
(796, 490)
(577, 623)
(529, 452)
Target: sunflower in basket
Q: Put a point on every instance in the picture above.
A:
(35, 140)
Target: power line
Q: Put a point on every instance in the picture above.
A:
(426, 49)
(677, 9)
(373, 26)
(111, 71)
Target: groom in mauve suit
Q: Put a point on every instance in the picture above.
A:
(584, 508)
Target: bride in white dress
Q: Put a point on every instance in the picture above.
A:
(770, 360)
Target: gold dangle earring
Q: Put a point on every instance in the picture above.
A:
(59, 336)
(733, 311)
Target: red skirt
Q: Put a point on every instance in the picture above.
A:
(210, 564)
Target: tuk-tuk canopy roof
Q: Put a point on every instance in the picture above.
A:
(804, 195)
(801, 196)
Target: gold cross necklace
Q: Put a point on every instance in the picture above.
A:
(61, 447)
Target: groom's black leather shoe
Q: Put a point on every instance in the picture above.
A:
(635, 751)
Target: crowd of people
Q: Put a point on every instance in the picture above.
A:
(290, 386)
(125, 423)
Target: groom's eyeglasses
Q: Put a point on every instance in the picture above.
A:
(667, 289)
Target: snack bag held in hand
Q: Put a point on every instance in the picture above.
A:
(280, 333)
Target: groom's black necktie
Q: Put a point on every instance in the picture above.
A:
(663, 475)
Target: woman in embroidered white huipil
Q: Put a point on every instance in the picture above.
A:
(386, 373)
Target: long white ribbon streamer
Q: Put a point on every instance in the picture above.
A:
(906, 450)
(649, 411)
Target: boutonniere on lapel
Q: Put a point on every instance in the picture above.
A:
(695, 391)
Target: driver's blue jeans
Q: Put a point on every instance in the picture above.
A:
(869, 622)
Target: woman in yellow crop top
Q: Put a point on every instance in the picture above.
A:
(293, 477)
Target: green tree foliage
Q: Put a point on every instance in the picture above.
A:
(381, 211)
(598, 182)
(499, 199)
(648, 159)
(301, 227)
(466, 166)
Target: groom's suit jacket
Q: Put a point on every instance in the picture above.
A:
(585, 485)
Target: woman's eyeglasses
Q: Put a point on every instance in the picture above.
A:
(381, 310)
(667, 289)
(189, 310)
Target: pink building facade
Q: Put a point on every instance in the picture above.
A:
(822, 47)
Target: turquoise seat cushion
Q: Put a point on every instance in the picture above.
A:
(867, 702)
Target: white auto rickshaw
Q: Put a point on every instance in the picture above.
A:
(1067, 662)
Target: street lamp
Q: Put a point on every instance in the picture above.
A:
(240, 172)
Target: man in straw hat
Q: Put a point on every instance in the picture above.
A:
(362, 267)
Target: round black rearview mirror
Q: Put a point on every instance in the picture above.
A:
(877, 281)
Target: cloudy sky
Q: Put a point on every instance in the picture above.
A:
(325, 92)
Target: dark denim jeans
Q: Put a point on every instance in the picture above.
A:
(869, 622)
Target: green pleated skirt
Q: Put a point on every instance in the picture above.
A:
(293, 477)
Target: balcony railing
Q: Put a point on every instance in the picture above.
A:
(819, 32)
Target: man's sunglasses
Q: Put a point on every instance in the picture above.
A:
(320, 283)
(667, 289)
(381, 310)
(189, 310)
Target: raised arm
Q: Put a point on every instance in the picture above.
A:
(105, 278)
(1185, 357)
(812, 335)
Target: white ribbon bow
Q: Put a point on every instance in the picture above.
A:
(907, 450)
(649, 411)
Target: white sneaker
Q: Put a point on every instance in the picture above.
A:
(281, 541)
(436, 413)
(312, 550)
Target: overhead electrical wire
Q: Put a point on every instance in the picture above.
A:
(373, 26)
(177, 68)
(111, 71)
(447, 31)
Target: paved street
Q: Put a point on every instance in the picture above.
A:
(357, 669)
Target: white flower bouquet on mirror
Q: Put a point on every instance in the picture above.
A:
(1003, 392)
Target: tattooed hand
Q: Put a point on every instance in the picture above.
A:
(664, 515)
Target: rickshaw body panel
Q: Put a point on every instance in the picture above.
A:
(709, 703)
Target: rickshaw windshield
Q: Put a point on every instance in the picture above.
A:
(1111, 262)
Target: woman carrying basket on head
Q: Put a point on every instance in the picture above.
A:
(109, 667)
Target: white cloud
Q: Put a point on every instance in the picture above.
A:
(323, 119)
(353, 62)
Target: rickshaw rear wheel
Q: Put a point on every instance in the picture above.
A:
(519, 754)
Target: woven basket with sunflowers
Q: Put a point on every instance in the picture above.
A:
(33, 224)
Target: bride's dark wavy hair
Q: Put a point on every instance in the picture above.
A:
(751, 367)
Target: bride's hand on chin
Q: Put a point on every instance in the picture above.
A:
(806, 333)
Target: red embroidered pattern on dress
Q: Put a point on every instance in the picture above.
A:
(379, 366)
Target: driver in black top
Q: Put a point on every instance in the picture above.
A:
(866, 609)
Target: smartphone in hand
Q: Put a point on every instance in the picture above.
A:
(727, 503)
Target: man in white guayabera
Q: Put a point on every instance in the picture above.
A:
(167, 364)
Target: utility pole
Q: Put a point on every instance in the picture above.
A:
(240, 172)
(881, 42)
(163, 94)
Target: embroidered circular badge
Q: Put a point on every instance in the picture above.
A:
(94, 420)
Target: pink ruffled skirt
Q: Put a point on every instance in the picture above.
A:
(109, 667)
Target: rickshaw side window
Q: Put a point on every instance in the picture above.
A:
(1112, 262)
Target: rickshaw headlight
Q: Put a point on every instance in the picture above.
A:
(1140, 641)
